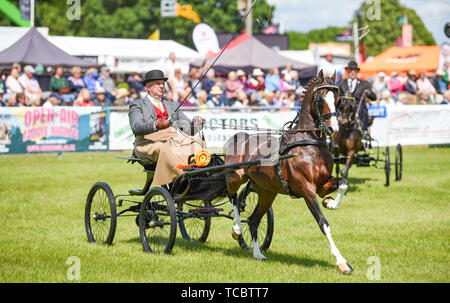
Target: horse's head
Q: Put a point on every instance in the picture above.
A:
(324, 98)
(346, 110)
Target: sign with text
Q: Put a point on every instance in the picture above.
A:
(56, 129)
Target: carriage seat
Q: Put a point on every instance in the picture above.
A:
(149, 165)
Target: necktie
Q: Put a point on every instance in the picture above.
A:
(353, 85)
(159, 104)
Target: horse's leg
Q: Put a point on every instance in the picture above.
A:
(334, 204)
(265, 200)
(313, 205)
(234, 181)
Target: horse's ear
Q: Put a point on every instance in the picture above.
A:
(334, 77)
(320, 76)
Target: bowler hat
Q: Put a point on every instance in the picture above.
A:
(352, 65)
(152, 75)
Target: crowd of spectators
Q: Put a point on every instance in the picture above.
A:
(412, 87)
(202, 88)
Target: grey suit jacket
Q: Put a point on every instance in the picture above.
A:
(142, 116)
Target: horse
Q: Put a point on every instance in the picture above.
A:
(349, 139)
(306, 174)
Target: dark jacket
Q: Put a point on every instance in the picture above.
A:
(361, 86)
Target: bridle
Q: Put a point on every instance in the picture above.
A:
(352, 103)
(318, 100)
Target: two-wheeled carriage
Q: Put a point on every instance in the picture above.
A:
(188, 204)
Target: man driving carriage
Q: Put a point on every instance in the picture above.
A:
(359, 89)
(163, 133)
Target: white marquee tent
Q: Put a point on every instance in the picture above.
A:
(121, 55)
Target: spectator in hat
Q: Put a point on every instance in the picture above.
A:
(52, 101)
(216, 98)
(411, 84)
(439, 82)
(91, 81)
(242, 77)
(100, 98)
(257, 80)
(122, 98)
(108, 83)
(30, 84)
(380, 84)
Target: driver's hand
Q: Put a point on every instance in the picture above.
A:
(162, 124)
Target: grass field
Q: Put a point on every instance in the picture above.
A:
(400, 232)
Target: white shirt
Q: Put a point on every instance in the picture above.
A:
(157, 103)
(352, 84)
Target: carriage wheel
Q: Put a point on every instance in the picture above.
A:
(194, 229)
(398, 163)
(387, 166)
(100, 216)
(158, 221)
(248, 199)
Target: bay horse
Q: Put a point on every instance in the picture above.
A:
(348, 141)
(305, 175)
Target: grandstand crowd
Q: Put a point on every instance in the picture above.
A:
(237, 89)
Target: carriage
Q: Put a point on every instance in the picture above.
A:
(362, 150)
(188, 204)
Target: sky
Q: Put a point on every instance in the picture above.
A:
(305, 15)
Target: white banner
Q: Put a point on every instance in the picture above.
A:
(418, 124)
(120, 135)
(407, 125)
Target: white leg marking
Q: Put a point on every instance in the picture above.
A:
(237, 221)
(334, 251)
(256, 251)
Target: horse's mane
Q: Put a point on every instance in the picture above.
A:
(308, 85)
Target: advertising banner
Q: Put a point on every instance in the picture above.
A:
(56, 129)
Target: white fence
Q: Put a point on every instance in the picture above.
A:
(407, 125)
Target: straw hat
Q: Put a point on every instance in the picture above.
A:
(240, 73)
(121, 93)
(257, 72)
(215, 90)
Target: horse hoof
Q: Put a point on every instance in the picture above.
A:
(328, 203)
(345, 268)
(235, 235)
(260, 257)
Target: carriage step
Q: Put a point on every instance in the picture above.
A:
(340, 160)
(206, 210)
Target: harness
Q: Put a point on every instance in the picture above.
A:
(285, 146)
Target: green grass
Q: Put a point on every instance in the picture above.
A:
(405, 225)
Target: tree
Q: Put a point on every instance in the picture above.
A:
(139, 18)
(385, 28)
